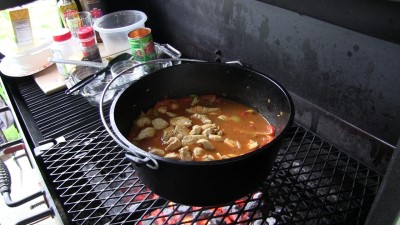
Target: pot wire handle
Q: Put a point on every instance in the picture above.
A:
(141, 158)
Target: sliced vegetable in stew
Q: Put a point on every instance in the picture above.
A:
(200, 128)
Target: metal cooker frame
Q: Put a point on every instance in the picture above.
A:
(307, 170)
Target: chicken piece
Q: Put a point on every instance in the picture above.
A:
(196, 129)
(174, 105)
(143, 121)
(159, 123)
(224, 157)
(197, 152)
(206, 144)
(228, 156)
(167, 133)
(206, 126)
(173, 144)
(157, 151)
(192, 139)
(203, 118)
(184, 154)
(147, 132)
(209, 131)
(181, 120)
(214, 137)
(172, 155)
(230, 142)
(251, 144)
(223, 118)
(170, 114)
(181, 131)
(208, 158)
(202, 109)
(162, 109)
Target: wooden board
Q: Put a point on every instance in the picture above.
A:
(50, 80)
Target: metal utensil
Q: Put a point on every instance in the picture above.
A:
(90, 78)
(78, 63)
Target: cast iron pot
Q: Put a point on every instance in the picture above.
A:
(209, 183)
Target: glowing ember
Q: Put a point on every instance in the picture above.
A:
(243, 211)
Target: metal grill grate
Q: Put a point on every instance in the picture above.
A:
(58, 114)
(312, 182)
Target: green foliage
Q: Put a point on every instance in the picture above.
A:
(11, 133)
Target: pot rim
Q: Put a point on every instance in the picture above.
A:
(127, 145)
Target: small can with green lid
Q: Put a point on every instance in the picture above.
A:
(142, 44)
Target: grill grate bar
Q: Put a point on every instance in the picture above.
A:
(312, 182)
(59, 114)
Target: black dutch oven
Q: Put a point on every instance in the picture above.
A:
(208, 183)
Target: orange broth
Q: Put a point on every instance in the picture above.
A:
(234, 121)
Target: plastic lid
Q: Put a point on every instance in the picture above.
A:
(86, 36)
(85, 32)
(62, 34)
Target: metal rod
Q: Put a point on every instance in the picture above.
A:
(78, 63)
(38, 216)
(11, 203)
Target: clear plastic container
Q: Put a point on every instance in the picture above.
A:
(65, 47)
(114, 28)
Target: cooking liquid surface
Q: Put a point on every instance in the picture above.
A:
(241, 129)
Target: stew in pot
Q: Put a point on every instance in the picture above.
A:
(200, 128)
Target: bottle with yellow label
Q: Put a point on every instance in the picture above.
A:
(67, 9)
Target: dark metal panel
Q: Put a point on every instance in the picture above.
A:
(377, 18)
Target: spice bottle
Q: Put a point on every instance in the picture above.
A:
(67, 9)
(65, 47)
(97, 9)
(88, 44)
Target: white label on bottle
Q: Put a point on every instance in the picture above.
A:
(62, 69)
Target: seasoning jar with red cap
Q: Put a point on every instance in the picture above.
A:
(88, 44)
(65, 47)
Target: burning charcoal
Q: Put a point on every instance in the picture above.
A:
(278, 158)
(295, 167)
(257, 195)
(183, 208)
(114, 210)
(258, 222)
(322, 191)
(215, 221)
(132, 207)
(251, 205)
(332, 197)
(79, 156)
(271, 220)
(203, 214)
(285, 165)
